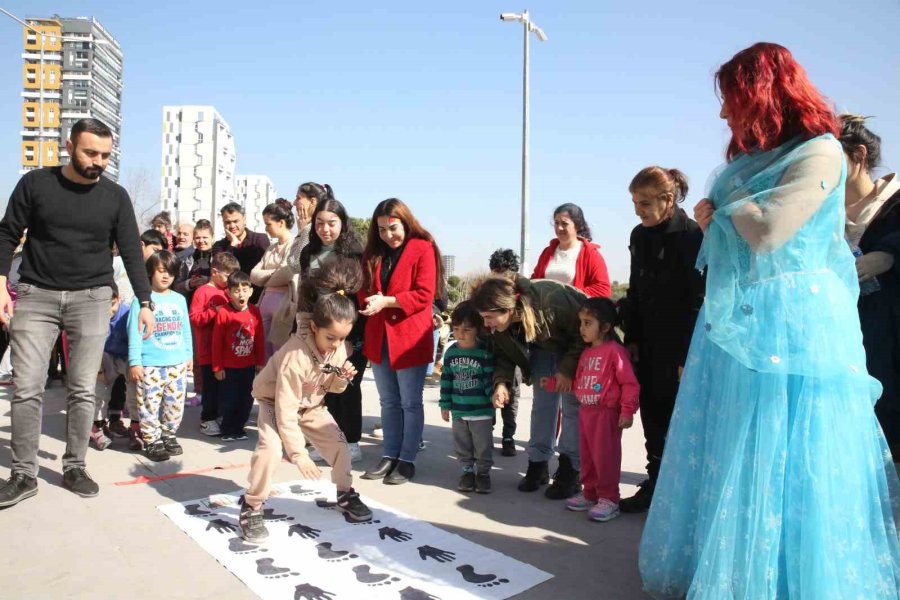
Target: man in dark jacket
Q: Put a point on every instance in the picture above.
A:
(247, 246)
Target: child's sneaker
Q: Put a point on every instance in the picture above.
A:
(210, 428)
(156, 451)
(252, 524)
(234, 437)
(349, 503)
(100, 439)
(579, 503)
(135, 442)
(466, 482)
(172, 446)
(604, 510)
(118, 428)
(483, 483)
(195, 400)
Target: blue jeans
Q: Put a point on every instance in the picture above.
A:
(544, 410)
(402, 413)
(40, 315)
(430, 367)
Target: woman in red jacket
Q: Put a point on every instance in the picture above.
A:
(403, 277)
(572, 258)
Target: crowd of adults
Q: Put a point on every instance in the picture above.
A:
(726, 339)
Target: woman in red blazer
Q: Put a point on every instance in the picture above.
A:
(572, 258)
(403, 277)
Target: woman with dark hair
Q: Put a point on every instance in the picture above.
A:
(272, 272)
(873, 231)
(404, 276)
(332, 239)
(665, 292)
(162, 222)
(534, 326)
(309, 195)
(572, 258)
(776, 481)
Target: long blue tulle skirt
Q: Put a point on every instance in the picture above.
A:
(773, 485)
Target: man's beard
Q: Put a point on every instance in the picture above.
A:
(89, 172)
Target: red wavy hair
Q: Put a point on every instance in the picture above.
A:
(770, 99)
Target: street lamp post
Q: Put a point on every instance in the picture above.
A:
(529, 27)
(40, 148)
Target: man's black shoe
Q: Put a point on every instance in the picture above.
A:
(17, 488)
(641, 501)
(382, 469)
(77, 481)
(566, 481)
(403, 473)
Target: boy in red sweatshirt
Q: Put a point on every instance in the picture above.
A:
(238, 352)
(206, 301)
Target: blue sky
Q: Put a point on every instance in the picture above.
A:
(422, 101)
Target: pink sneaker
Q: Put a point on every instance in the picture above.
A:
(604, 510)
(579, 503)
(195, 400)
(100, 439)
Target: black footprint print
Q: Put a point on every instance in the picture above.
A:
(489, 580)
(238, 546)
(194, 510)
(300, 490)
(363, 575)
(411, 593)
(265, 568)
(330, 555)
(269, 515)
(326, 504)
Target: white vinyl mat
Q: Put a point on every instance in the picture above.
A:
(314, 553)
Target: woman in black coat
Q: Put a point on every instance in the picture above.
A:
(665, 293)
(873, 232)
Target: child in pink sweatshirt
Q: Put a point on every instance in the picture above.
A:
(608, 392)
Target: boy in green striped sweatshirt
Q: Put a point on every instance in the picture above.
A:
(466, 391)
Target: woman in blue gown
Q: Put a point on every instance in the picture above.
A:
(776, 481)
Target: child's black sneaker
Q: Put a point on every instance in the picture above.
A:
(483, 483)
(508, 447)
(349, 503)
(156, 451)
(172, 445)
(252, 524)
(466, 482)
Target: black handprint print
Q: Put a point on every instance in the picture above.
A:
(307, 533)
(194, 510)
(305, 591)
(394, 534)
(411, 593)
(442, 556)
(269, 515)
(221, 526)
(300, 490)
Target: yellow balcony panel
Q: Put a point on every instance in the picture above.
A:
(51, 114)
(29, 154)
(52, 77)
(52, 37)
(30, 114)
(30, 77)
(50, 149)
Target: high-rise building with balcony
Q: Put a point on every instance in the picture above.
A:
(449, 265)
(198, 159)
(254, 192)
(71, 72)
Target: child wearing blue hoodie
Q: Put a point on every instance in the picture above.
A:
(159, 365)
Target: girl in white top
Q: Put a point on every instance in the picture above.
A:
(272, 270)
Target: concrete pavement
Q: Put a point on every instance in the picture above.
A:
(118, 545)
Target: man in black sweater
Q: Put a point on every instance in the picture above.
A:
(73, 217)
(247, 246)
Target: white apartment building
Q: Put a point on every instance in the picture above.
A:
(254, 192)
(198, 160)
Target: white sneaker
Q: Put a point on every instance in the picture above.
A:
(355, 453)
(378, 432)
(210, 428)
(315, 456)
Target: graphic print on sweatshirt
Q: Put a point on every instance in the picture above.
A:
(588, 380)
(169, 332)
(468, 374)
(242, 344)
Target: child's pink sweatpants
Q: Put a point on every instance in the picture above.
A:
(601, 451)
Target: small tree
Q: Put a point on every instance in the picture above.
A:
(144, 195)
(360, 229)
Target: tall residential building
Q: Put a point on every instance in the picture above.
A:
(254, 192)
(197, 163)
(76, 73)
(449, 265)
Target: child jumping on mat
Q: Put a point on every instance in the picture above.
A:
(159, 365)
(466, 389)
(608, 391)
(291, 390)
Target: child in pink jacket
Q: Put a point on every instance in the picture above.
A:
(608, 392)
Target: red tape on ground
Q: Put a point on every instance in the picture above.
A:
(144, 479)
